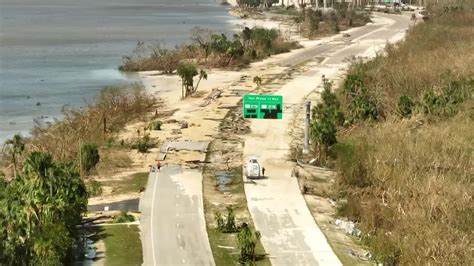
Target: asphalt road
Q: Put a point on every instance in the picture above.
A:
(289, 232)
(340, 42)
(173, 228)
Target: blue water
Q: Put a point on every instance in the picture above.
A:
(56, 53)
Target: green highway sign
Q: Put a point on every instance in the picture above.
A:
(263, 106)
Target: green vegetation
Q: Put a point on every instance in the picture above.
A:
(94, 188)
(43, 196)
(14, 148)
(39, 211)
(327, 116)
(227, 224)
(122, 245)
(258, 81)
(209, 50)
(247, 240)
(247, 244)
(89, 156)
(187, 72)
(143, 144)
(405, 164)
(155, 125)
(224, 246)
(124, 217)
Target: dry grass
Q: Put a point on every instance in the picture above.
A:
(434, 54)
(411, 187)
(409, 182)
(117, 105)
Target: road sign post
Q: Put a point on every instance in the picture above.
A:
(263, 106)
(306, 130)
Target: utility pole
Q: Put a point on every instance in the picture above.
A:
(306, 131)
(80, 158)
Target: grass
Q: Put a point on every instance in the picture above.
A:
(131, 184)
(408, 181)
(215, 200)
(227, 256)
(123, 245)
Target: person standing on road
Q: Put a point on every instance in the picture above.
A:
(158, 165)
(263, 171)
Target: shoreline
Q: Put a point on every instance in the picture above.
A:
(79, 82)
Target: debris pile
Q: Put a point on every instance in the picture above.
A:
(215, 93)
(235, 124)
(348, 227)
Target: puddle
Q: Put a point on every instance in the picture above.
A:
(224, 179)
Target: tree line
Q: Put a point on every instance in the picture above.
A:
(39, 209)
(209, 50)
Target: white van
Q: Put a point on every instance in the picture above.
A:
(253, 168)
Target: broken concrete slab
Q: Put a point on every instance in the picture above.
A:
(179, 145)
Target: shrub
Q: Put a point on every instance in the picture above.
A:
(362, 105)
(124, 217)
(228, 224)
(187, 72)
(210, 50)
(258, 81)
(94, 188)
(447, 100)
(90, 156)
(247, 243)
(155, 125)
(144, 144)
(405, 106)
(326, 117)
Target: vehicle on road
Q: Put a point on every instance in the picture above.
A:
(253, 168)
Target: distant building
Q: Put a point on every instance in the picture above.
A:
(295, 2)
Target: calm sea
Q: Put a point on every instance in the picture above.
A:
(56, 53)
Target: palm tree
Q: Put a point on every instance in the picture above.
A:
(187, 72)
(14, 147)
(257, 80)
(202, 75)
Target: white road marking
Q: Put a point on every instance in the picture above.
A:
(151, 221)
